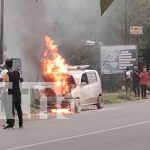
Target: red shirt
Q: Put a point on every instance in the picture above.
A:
(144, 76)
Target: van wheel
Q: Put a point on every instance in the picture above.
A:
(100, 102)
(76, 106)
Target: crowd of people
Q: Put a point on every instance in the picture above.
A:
(138, 81)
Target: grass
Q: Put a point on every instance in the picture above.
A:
(112, 98)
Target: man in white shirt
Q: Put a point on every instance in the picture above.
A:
(128, 81)
(11, 76)
(3, 90)
(128, 74)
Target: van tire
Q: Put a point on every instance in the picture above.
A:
(100, 102)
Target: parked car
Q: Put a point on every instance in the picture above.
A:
(85, 89)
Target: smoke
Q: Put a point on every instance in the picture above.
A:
(67, 21)
(24, 34)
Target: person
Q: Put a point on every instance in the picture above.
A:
(11, 76)
(136, 81)
(144, 77)
(128, 81)
(4, 94)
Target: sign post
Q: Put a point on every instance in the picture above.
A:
(136, 30)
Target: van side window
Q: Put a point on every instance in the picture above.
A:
(84, 78)
(92, 78)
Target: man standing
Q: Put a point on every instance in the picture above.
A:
(144, 77)
(12, 77)
(136, 81)
(128, 81)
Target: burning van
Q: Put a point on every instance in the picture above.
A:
(83, 88)
(67, 87)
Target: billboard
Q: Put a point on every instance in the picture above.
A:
(114, 59)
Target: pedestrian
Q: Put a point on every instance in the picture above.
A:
(144, 77)
(12, 79)
(136, 81)
(128, 81)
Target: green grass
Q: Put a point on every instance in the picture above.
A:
(112, 98)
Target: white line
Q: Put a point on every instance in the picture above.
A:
(109, 109)
(78, 136)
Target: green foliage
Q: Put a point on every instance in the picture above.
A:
(104, 5)
(81, 55)
(112, 83)
(144, 42)
(139, 14)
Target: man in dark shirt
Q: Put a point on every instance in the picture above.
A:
(136, 81)
(12, 78)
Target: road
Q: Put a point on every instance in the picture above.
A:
(116, 127)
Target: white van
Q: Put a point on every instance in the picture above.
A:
(86, 89)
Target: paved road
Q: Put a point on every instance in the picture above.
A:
(117, 127)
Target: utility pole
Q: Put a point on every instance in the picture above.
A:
(126, 25)
(2, 31)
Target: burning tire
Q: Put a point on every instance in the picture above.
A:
(100, 102)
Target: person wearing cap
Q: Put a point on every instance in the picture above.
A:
(11, 76)
(128, 81)
(144, 78)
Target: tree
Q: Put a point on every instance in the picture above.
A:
(138, 14)
(104, 4)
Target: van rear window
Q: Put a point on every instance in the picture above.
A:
(92, 78)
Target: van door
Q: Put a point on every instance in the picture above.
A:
(94, 87)
(84, 89)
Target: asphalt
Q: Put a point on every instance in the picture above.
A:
(117, 127)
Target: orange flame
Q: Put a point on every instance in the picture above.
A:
(54, 67)
(61, 111)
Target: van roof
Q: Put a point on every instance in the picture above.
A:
(80, 71)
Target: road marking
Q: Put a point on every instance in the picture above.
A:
(88, 110)
(109, 109)
(78, 136)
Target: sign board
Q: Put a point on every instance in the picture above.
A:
(115, 59)
(136, 30)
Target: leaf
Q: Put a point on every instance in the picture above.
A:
(104, 4)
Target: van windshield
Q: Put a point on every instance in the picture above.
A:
(69, 80)
(76, 76)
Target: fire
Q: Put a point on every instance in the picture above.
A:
(61, 111)
(54, 67)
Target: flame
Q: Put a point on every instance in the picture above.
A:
(61, 111)
(54, 67)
